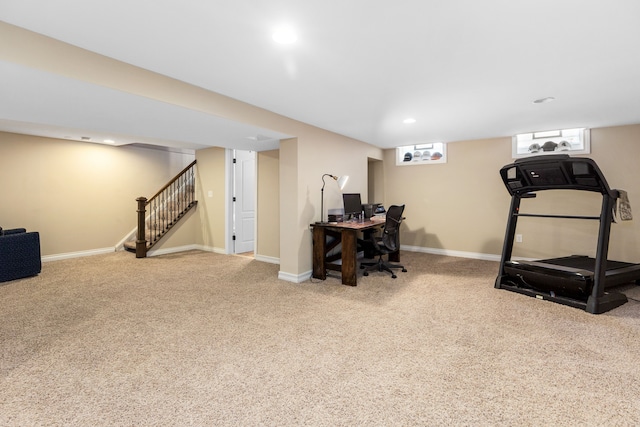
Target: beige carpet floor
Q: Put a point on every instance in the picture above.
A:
(203, 339)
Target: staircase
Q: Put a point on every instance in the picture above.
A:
(157, 215)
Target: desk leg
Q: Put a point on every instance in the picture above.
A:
(319, 250)
(349, 257)
(368, 249)
(394, 256)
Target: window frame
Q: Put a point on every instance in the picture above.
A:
(430, 147)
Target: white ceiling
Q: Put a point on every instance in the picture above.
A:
(464, 69)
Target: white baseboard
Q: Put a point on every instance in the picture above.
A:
(294, 278)
(69, 255)
(187, 248)
(262, 258)
(173, 250)
(211, 249)
(459, 254)
(299, 278)
(127, 238)
(269, 259)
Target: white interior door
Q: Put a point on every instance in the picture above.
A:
(244, 210)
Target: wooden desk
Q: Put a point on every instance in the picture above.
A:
(347, 234)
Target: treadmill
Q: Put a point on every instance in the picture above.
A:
(578, 281)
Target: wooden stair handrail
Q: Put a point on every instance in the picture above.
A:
(168, 184)
(141, 246)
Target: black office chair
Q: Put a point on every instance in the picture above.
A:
(386, 244)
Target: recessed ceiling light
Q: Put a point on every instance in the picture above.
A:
(109, 141)
(284, 35)
(409, 120)
(544, 100)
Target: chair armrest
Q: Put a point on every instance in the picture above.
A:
(397, 221)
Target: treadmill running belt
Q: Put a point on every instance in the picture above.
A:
(584, 263)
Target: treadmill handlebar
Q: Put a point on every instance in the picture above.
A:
(554, 172)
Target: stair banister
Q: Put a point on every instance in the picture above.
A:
(181, 187)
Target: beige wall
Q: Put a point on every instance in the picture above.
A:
(319, 153)
(180, 236)
(79, 196)
(268, 206)
(463, 205)
(376, 182)
(458, 205)
(288, 176)
(211, 177)
(55, 192)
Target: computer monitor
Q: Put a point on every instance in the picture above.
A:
(352, 204)
(369, 209)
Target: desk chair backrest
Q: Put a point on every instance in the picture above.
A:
(391, 232)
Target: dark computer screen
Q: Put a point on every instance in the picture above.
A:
(352, 203)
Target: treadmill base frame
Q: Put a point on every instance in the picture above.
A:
(593, 305)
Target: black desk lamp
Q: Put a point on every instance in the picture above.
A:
(342, 181)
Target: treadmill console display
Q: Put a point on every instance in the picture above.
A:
(554, 172)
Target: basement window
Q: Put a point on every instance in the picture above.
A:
(567, 141)
(421, 154)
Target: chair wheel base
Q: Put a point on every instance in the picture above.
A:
(381, 266)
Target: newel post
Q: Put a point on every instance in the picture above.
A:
(141, 242)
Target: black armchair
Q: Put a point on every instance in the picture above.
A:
(387, 243)
(19, 254)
